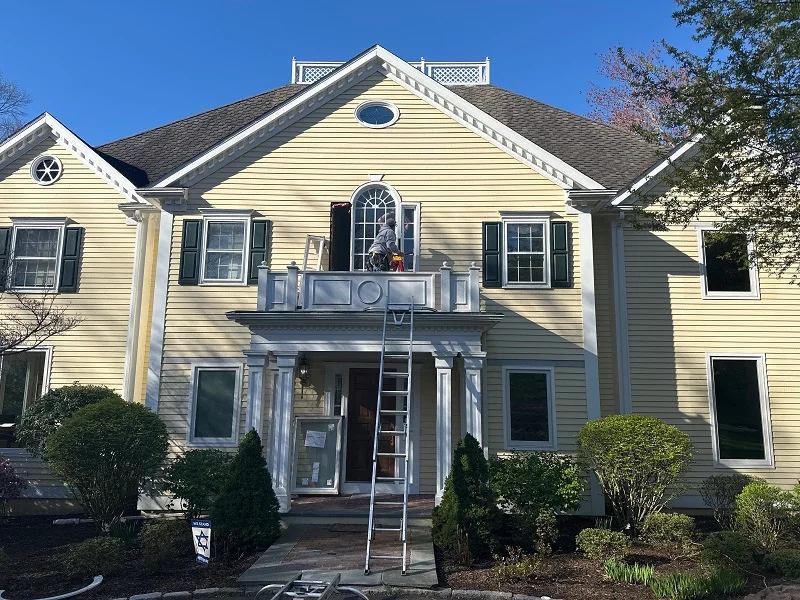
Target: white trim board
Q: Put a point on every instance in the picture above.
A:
(374, 60)
(158, 318)
(46, 125)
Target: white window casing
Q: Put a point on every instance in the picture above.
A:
(511, 223)
(512, 444)
(197, 369)
(215, 217)
(768, 462)
(21, 262)
(753, 294)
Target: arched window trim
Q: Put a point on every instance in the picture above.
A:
(398, 202)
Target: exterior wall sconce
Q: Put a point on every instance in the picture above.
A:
(302, 370)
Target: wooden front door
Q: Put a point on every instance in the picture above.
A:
(361, 406)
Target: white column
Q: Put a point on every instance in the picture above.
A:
(282, 412)
(471, 393)
(444, 432)
(256, 365)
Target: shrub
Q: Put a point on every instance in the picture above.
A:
(124, 531)
(245, 514)
(719, 493)
(728, 549)
(94, 556)
(689, 586)
(106, 452)
(670, 532)
(165, 540)
(468, 505)
(11, 485)
(49, 411)
(638, 461)
(784, 562)
(625, 573)
(603, 544)
(197, 477)
(763, 514)
(517, 566)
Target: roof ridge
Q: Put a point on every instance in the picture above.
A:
(203, 112)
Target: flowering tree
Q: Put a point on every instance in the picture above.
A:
(11, 485)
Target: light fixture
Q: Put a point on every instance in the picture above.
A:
(302, 369)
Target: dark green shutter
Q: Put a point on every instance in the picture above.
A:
(561, 243)
(5, 255)
(493, 255)
(191, 242)
(259, 246)
(71, 259)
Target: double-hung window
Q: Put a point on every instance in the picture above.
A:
(525, 246)
(739, 403)
(529, 407)
(36, 254)
(225, 243)
(726, 269)
(215, 399)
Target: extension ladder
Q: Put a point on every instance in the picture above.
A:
(401, 349)
(313, 590)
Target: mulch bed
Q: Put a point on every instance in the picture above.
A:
(33, 569)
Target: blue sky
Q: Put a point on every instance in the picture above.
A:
(110, 68)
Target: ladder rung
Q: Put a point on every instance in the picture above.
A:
(387, 529)
(390, 479)
(388, 503)
(395, 393)
(386, 556)
(395, 356)
(392, 432)
(385, 411)
(395, 454)
(395, 374)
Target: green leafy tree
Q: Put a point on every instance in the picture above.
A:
(197, 478)
(638, 461)
(107, 452)
(741, 97)
(245, 515)
(53, 408)
(468, 508)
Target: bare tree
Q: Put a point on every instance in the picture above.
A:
(28, 320)
(13, 102)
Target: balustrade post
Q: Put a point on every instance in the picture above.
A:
(264, 300)
(290, 301)
(474, 295)
(445, 288)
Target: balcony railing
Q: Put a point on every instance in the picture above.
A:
(295, 290)
(446, 73)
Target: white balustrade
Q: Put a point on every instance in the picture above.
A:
(446, 73)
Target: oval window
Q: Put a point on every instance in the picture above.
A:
(46, 169)
(377, 114)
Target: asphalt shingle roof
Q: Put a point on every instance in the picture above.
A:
(606, 154)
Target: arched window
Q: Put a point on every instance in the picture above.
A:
(372, 205)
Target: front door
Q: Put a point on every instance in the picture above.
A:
(361, 406)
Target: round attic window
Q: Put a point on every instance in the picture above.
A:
(377, 114)
(46, 169)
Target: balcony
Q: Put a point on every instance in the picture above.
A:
(294, 290)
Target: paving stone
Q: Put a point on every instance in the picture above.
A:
(231, 591)
(150, 596)
(176, 596)
(475, 594)
(121, 598)
(424, 592)
(526, 597)
(206, 592)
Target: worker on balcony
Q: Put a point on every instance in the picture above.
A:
(383, 247)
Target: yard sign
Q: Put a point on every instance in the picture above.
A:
(201, 534)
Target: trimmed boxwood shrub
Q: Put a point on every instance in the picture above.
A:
(165, 540)
(638, 461)
(719, 493)
(468, 509)
(763, 514)
(197, 478)
(671, 532)
(107, 452)
(49, 411)
(94, 556)
(784, 562)
(728, 549)
(603, 544)
(245, 515)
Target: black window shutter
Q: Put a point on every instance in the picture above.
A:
(561, 255)
(339, 250)
(493, 255)
(71, 259)
(5, 255)
(191, 241)
(259, 246)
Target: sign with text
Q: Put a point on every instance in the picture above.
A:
(201, 534)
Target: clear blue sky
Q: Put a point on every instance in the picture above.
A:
(112, 68)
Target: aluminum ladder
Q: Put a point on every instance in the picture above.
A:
(296, 587)
(401, 349)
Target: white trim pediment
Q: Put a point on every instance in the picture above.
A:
(380, 60)
(46, 126)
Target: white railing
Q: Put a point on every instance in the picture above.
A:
(446, 73)
(294, 290)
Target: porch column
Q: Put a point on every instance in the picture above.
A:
(444, 432)
(471, 393)
(256, 366)
(282, 411)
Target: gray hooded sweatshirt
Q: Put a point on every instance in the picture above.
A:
(385, 241)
